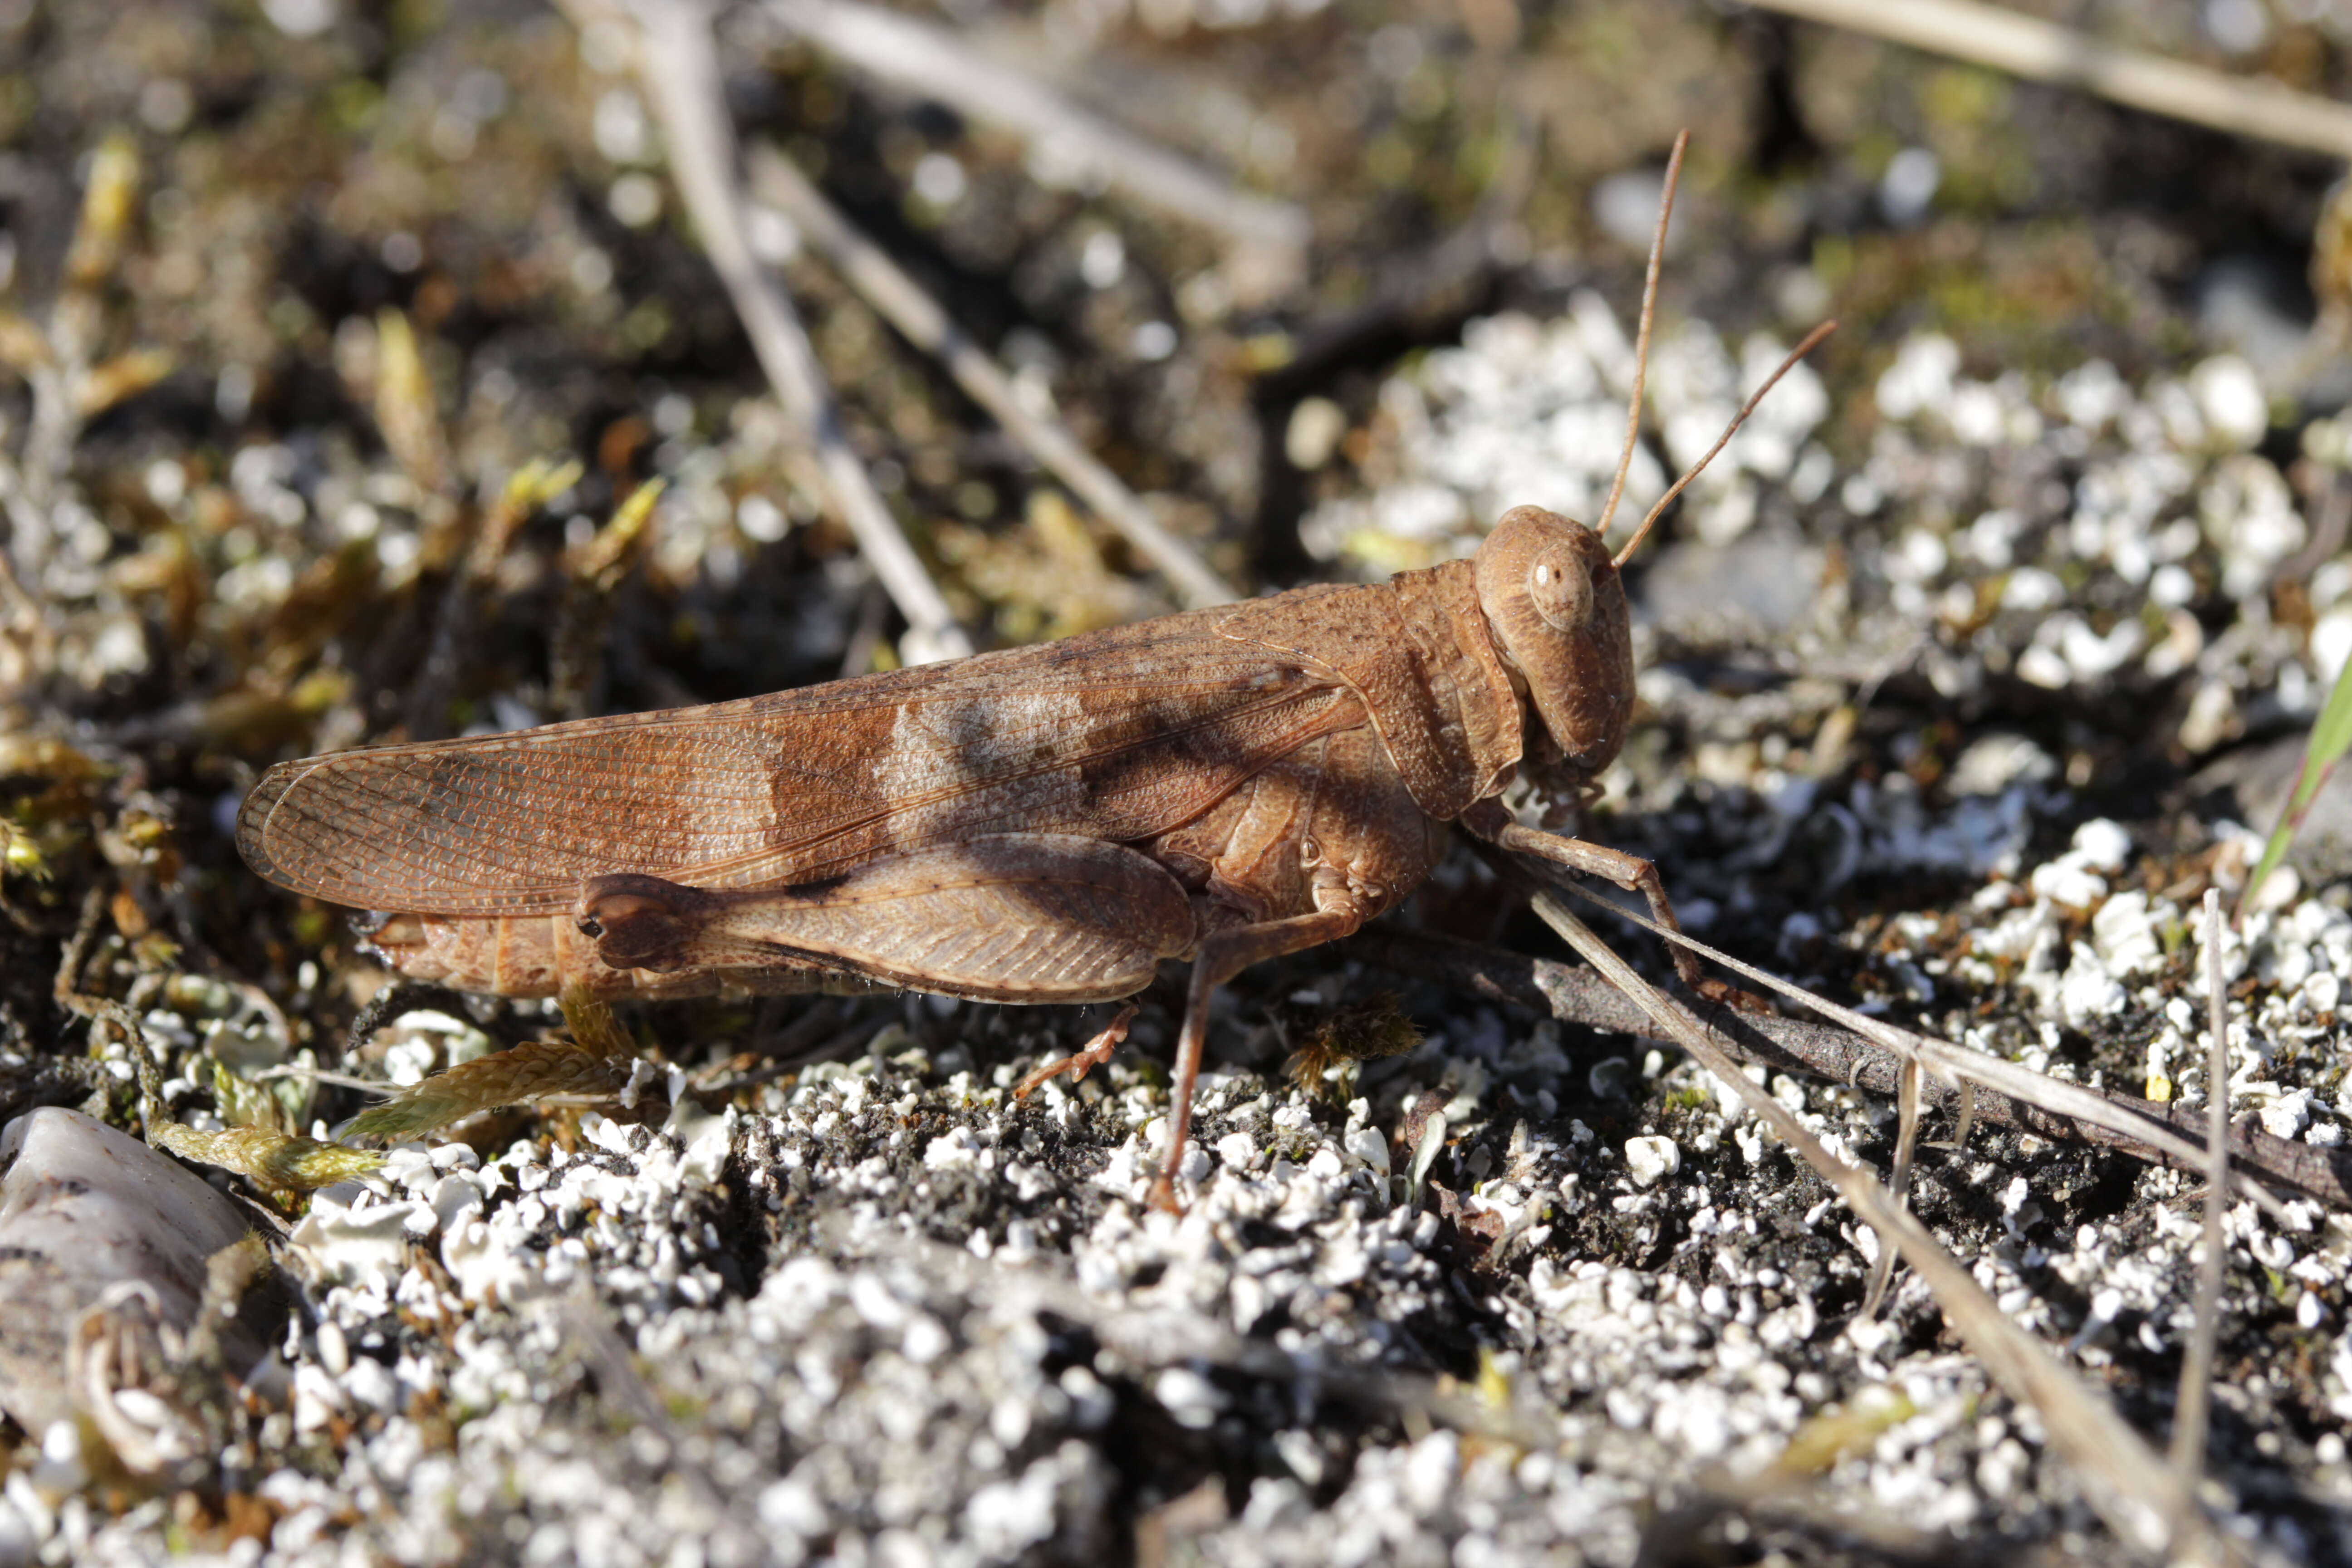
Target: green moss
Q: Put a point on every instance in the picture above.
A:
(1689, 1097)
(1966, 98)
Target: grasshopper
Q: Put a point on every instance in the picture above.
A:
(1039, 825)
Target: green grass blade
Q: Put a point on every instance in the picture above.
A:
(2330, 738)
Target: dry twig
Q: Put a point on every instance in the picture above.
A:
(886, 286)
(2190, 1409)
(153, 1110)
(2044, 51)
(1576, 995)
(2126, 1481)
(679, 64)
(1956, 1067)
(1270, 235)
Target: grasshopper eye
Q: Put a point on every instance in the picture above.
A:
(1560, 590)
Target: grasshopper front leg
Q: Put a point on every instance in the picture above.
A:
(1490, 822)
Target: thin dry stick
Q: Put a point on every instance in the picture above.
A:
(153, 1108)
(1898, 1184)
(1641, 337)
(2126, 1482)
(2044, 51)
(679, 64)
(1574, 994)
(886, 286)
(1950, 1062)
(941, 66)
(2192, 1407)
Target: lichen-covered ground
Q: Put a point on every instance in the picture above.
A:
(1980, 658)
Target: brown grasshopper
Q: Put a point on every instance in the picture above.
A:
(1039, 825)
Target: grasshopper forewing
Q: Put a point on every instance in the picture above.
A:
(1040, 825)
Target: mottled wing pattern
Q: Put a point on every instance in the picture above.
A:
(1116, 735)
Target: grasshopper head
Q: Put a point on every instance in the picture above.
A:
(1551, 594)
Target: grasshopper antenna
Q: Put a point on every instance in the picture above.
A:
(1642, 338)
(1813, 341)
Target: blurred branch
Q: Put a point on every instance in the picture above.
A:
(887, 287)
(57, 356)
(61, 375)
(2045, 51)
(1270, 235)
(679, 65)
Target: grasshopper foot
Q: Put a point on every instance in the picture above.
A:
(1163, 1194)
(1725, 994)
(1093, 1054)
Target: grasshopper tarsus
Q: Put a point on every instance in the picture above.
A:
(1725, 994)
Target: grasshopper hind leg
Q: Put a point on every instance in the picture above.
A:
(1013, 917)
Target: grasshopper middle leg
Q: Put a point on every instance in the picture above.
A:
(1224, 955)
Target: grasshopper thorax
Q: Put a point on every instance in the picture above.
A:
(1552, 596)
